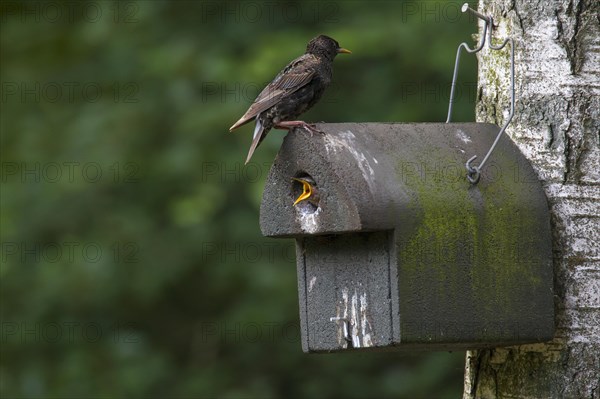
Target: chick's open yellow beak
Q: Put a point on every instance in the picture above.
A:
(306, 190)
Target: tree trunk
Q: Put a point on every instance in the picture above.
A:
(557, 127)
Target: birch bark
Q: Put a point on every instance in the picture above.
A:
(557, 127)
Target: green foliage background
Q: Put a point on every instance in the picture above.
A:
(185, 297)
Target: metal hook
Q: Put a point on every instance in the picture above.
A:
(474, 172)
(457, 61)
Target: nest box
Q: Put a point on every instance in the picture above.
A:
(396, 249)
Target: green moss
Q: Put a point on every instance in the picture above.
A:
(469, 242)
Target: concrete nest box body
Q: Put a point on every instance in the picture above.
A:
(396, 249)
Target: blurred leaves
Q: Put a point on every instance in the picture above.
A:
(132, 262)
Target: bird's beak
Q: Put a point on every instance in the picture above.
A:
(306, 190)
(343, 51)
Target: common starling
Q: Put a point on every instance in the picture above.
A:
(293, 91)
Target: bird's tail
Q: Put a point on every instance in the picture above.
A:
(259, 134)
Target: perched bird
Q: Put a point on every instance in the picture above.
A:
(293, 91)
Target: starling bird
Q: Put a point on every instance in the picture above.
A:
(293, 91)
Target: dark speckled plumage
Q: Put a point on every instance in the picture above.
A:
(293, 91)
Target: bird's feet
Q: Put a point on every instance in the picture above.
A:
(311, 128)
